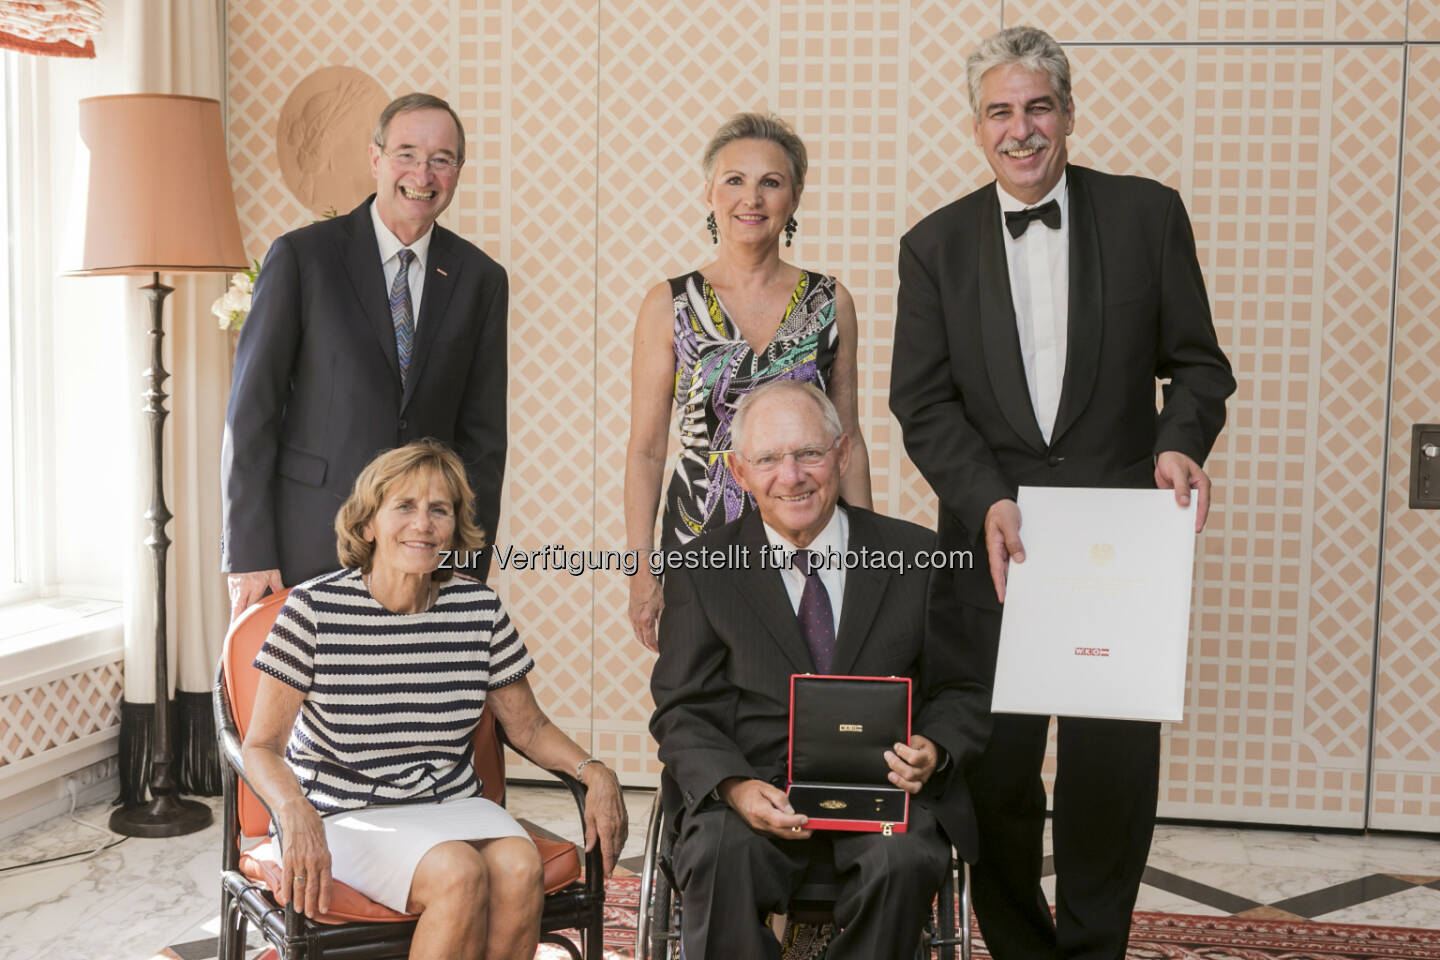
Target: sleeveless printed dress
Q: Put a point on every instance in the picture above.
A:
(714, 367)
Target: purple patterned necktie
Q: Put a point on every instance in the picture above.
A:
(817, 620)
(402, 313)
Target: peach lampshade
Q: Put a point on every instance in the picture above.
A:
(158, 195)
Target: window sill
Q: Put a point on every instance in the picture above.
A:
(43, 637)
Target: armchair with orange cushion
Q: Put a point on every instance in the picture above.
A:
(355, 927)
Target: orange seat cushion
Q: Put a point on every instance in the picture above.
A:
(562, 862)
(347, 905)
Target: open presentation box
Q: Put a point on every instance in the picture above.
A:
(840, 728)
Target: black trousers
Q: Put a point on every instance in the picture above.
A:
(730, 877)
(1106, 785)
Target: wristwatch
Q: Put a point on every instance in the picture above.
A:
(580, 767)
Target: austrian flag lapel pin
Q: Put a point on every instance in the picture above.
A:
(441, 271)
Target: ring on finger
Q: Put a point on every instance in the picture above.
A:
(299, 878)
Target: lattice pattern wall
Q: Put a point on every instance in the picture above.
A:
(587, 120)
(1284, 616)
(1407, 742)
(59, 711)
(1229, 21)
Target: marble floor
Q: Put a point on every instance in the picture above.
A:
(137, 899)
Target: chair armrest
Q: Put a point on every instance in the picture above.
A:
(228, 734)
(594, 859)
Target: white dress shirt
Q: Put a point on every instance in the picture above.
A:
(830, 544)
(1039, 263)
(390, 247)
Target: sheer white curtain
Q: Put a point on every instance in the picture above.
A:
(177, 46)
(80, 346)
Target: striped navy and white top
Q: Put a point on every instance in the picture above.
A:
(391, 699)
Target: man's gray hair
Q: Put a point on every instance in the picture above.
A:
(799, 388)
(417, 101)
(759, 126)
(1032, 48)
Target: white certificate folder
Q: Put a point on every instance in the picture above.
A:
(1097, 618)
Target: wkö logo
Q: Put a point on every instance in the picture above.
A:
(1092, 651)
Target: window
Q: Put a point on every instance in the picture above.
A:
(8, 547)
(69, 375)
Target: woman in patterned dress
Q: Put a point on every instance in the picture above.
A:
(705, 339)
(372, 682)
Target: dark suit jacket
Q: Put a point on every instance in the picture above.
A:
(729, 641)
(316, 390)
(1137, 312)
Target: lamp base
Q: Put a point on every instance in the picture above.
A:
(164, 816)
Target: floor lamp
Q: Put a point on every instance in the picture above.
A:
(157, 200)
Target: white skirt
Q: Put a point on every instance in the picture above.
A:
(376, 849)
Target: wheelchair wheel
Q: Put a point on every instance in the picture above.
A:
(657, 927)
(966, 933)
(665, 933)
(945, 930)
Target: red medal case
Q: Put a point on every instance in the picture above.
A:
(840, 728)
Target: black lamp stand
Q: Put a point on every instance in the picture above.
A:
(166, 814)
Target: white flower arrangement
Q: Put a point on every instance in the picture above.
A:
(233, 306)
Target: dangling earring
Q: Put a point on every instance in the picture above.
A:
(713, 227)
(790, 227)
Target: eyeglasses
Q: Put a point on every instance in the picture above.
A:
(804, 457)
(409, 160)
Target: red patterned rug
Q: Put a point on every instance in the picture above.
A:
(1155, 936)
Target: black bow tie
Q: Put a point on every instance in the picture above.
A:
(1018, 221)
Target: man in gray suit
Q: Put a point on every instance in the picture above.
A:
(366, 331)
(730, 640)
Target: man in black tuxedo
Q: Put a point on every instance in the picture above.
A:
(730, 640)
(366, 332)
(1035, 316)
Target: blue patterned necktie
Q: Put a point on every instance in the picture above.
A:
(402, 313)
(817, 620)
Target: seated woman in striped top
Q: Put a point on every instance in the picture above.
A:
(373, 680)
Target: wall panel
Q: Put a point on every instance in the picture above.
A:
(546, 146)
(1283, 612)
(669, 76)
(842, 87)
(1424, 20)
(1407, 717)
(941, 164)
(1232, 21)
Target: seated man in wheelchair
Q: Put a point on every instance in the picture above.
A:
(730, 639)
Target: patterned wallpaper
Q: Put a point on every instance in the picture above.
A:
(586, 122)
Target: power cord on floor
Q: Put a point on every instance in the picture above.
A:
(78, 856)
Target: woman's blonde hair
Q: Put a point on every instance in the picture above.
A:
(396, 468)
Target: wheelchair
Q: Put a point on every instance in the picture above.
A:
(809, 916)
